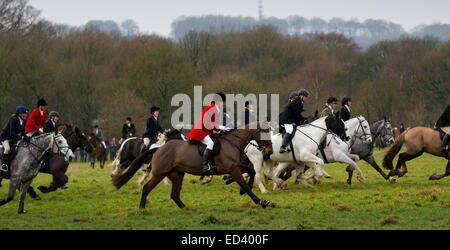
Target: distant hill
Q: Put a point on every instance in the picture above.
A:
(363, 33)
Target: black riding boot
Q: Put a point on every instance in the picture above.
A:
(4, 165)
(207, 158)
(285, 142)
(445, 140)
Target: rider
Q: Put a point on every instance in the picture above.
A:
(99, 134)
(329, 107)
(127, 126)
(50, 125)
(247, 115)
(345, 110)
(36, 123)
(13, 131)
(208, 122)
(444, 121)
(292, 116)
(153, 128)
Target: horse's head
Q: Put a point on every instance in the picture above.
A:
(262, 136)
(364, 130)
(60, 146)
(337, 126)
(386, 131)
(82, 141)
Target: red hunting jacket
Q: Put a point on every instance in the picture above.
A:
(35, 121)
(206, 124)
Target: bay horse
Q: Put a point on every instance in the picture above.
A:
(417, 141)
(176, 158)
(99, 152)
(145, 157)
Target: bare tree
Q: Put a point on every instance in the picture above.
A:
(17, 15)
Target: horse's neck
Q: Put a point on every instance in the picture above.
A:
(316, 132)
(244, 134)
(352, 126)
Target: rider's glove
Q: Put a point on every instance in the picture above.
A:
(41, 130)
(223, 128)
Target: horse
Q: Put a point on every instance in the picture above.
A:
(99, 152)
(305, 145)
(55, 165)
(334, 149)
(378, 129)
(128, 151)
(396, 133)
(25, 165)
(119, 180)
(176, 157)
(131, 148)
(417, 141)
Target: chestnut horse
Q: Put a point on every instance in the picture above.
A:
(176, 157)
(417, 140)
(99, 152)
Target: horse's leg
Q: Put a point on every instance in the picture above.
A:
(350, 174)
(32, 193)
(345, 158)
(440, 176)
(149, 187)
(401, 163)
(251, 173)
(177, 181)
(146, 173)
(237, 176)
(23, 193)
(277, 181)
(13, 186)
(92, 161)
(257, 164)
(369, 159)
(59, 179)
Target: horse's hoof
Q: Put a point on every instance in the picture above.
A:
(432, 177)
(391, 179)
(64, 187)
(264, 203)
(242, 192)
(284, 186)
(361, 179)
(349, 182)
(36, 197)
(22, 212)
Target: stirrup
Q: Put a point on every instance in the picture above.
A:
(4, 168)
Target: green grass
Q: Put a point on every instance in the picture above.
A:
(91, 202)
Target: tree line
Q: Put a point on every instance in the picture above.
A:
(93, 77)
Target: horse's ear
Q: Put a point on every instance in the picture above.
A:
(337, 113)
(385, 119)
(316, 114)
(77, 131)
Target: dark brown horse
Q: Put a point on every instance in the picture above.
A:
(99, 152)
(177, 157)
(417, 140)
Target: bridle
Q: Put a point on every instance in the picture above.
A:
(362, 129)
(46, 150)
(261, 147)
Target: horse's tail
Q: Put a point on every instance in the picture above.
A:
(116, 163)
(119, 180)
(393, 151)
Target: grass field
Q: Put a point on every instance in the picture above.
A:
(91, 202)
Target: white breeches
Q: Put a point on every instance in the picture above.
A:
(289, 128)
(5, 144)
(208, 142)
(146, 141)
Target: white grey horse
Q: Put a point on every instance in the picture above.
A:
(27, 162)
(306, 144)
(364, 151)
(335, 149)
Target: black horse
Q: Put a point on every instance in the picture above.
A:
(56, 165)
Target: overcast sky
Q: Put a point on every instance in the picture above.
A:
(156, 16)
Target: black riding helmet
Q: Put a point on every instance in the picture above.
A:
(332, 99)
(41, 102)
(345, 100)
(154, 108)
(303, 92)
(219, 97)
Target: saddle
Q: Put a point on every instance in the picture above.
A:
(202, 147)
